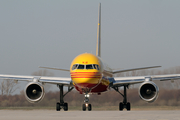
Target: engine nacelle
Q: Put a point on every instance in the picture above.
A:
(148, 91)
(34, 92)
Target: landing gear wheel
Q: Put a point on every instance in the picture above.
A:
(89, 107)
(121, 106)
(65, 107)
(61, 104)
(128, 106)
(57, 106)
(84, 107)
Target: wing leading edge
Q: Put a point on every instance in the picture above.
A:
(121, 81)
(51, 80)
(127, 70)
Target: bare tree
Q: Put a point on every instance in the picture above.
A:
(2, 87)
(8, 87)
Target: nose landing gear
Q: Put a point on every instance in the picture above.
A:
(86, 105)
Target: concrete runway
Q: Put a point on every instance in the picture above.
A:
(86, 115)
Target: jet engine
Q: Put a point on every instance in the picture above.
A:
(34, 92)
(148, 91)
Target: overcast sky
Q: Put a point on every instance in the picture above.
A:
(135, 33)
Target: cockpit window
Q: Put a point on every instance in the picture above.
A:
(96, 66)
(89, 67)
(80, 67)
(74, 66)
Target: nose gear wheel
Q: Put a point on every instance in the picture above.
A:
(86, 105)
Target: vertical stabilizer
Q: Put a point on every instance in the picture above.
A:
(98, 47)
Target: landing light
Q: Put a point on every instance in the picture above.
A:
(87, 95)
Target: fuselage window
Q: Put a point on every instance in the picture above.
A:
(96, 67)
(74, 66)
(80, 67)
(89, 67)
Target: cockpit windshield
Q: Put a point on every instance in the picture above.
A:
(74, 66)
(96, 66)
(89, 66)
(81, 67)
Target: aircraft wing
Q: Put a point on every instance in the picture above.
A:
(54, 68)
(42, 79)
(120, 81)
(127, 70)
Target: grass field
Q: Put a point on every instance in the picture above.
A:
(97, 108)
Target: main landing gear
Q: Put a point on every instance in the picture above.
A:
(86, 105)
(62, 105)
(123, 104)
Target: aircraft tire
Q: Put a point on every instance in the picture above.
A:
(65, 106)
(89, 107)
(57, 106)
(84, 107)
(121, 106)
(128, 106)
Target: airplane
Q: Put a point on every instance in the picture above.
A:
(89, 75)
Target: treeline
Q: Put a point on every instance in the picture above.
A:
(111, 98)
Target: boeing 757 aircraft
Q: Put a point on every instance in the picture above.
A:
(89, 75)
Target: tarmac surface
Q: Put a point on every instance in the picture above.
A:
(89, 115)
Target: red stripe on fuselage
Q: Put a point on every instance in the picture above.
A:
(86, 75)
